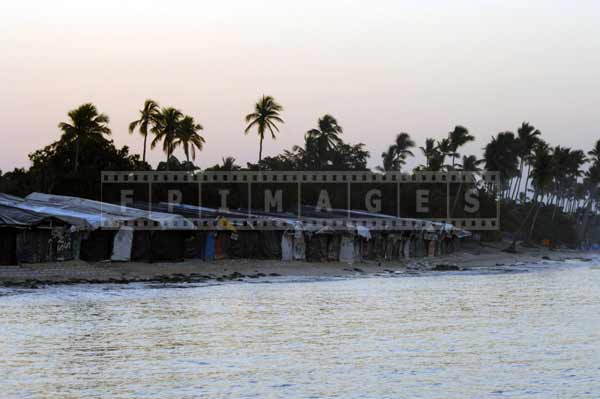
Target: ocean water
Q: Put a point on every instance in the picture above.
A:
(531, 334)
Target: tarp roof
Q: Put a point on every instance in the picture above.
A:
(420, 224)
(76, 220)
(195, 212)
(15, 217)
(86, 214)
(292, 221)
(99, 214)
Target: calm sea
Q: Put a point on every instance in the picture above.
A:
(528, 334)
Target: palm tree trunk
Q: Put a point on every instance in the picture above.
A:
(527, 179)
(509, 188)
(168, 155)
(144, 153)
(518, 186)
(320, 162)
(76, 166)
(582, 228)
(533, 222)
(260, 150)
(571, 205)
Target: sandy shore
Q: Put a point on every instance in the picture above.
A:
(471, 257)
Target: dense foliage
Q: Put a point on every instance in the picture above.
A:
(544, 188)
(52, 168)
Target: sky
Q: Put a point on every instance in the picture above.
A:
(380, 67)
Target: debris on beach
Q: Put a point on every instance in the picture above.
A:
(446, 268)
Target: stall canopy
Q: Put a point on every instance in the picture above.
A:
(89, 215)
(39, 210)
(27, 236)
(107, 227)
(21, 218)
(106, 212)
(164, 244)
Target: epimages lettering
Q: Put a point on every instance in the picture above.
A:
(322, 197)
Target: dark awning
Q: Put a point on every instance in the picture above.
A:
(15, 217)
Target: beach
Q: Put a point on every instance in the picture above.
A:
(472, 257)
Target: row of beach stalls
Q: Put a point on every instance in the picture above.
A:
(50, 228)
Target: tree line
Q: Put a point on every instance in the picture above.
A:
(532, 170)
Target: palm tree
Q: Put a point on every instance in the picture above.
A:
(85, 122)
(436, 161)
(542, 174)
(576, 161)
(501, 156)
(592, 184)
(148, 116)
(403, 143)
(443, 149)
(595, 153)
(528, 137)
(265, 115)
(389, 160)
(542, 169)
(325, 137)
(166, 129)
(567, 165)
(228, 165)
(471, 163)
(428, 151)
(457, 138)
(189, 138)
(395, 156)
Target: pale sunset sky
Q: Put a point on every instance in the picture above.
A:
(380, 67)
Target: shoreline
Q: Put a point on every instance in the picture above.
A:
(487, 257)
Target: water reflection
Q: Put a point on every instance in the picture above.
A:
(453, 336)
